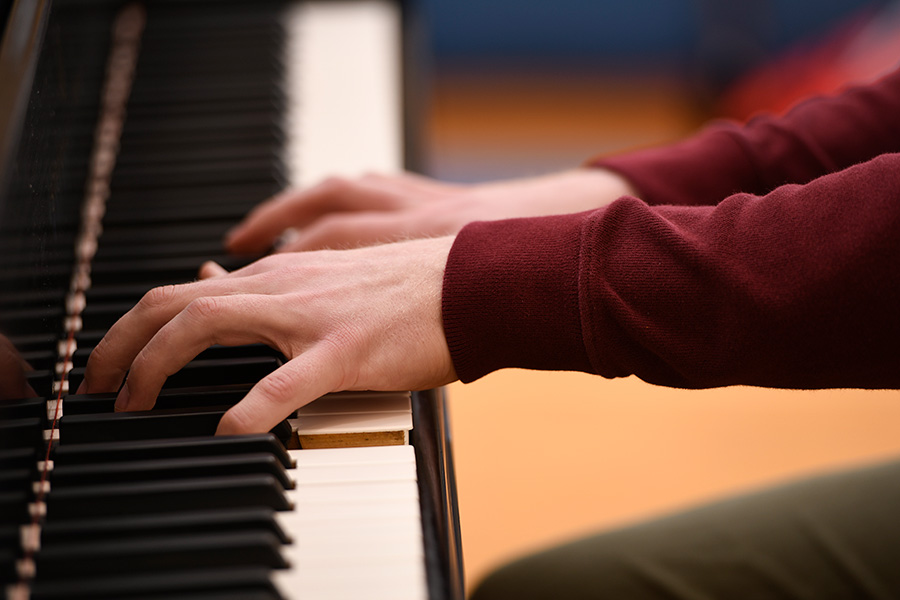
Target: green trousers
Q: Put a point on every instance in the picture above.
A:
(833, 536)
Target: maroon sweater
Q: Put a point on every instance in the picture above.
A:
(765, 254)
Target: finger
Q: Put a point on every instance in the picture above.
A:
(417, 183)
(350, 230)
(266, 222)
(111, 358)
(297, 383)
(227, 320)
(13, 383)
(211, 269)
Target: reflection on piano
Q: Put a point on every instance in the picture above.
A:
(220, 105)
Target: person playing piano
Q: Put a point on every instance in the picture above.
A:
(764, 254)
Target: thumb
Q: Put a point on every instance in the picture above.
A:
(297, 383)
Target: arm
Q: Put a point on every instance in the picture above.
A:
(818, 136)
(795, 289)
(373, 209)
(798, 288)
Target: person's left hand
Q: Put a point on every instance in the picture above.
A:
(367, 319)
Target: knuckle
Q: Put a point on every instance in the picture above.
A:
(335, 185)
(328, 224)
(237, 420)
(159, 296)
(277, 387)
(205, 308)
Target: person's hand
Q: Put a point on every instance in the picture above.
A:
(373, 209)
(13, 383)
(366, 319)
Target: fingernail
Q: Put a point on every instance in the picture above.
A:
(123, 398)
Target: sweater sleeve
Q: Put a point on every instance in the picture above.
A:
(797, 288)
(818, 136)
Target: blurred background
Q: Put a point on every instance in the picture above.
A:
(523, 87)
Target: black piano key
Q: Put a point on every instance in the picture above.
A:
(159, 525)
(139, 425)
(24, 299)
(35, 342)
(8, 572)
(169, 123)
(87, 404)
(124, 215)
(172, 448)
(168, 496)
(100, 317)
(21, 433)
(22, 409)
(14, 507)
(248, 90)
(131, 292)
(175, 270)
(150, 424)
(244, 582)
(17, 458)
(171, 468)
(245, 194)
(33, 320)
(17, 479)
(196, 551)
(223, 371)
(175, 232)
(80, 356)
(201, 248)
(222, 106)
(41, 381)
(27, 278)
(40, 359)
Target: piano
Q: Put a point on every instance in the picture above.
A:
(132, 136)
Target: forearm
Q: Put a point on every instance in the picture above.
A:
(795, 289)
(819, 136)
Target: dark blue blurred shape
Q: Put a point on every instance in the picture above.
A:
(719, 37)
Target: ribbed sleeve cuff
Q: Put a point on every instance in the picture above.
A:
(510, 296)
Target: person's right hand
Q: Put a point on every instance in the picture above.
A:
(373, 209)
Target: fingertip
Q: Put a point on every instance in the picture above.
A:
(123, 399)
(211, 269)
(229, 425)
(82, 387)
(233, 240)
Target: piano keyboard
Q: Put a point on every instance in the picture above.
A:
(224, 110)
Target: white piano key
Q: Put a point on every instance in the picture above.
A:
(338, 456)
(353, 473)
(356, 526)
(338, 492)
(347, 511)
(372, 582)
